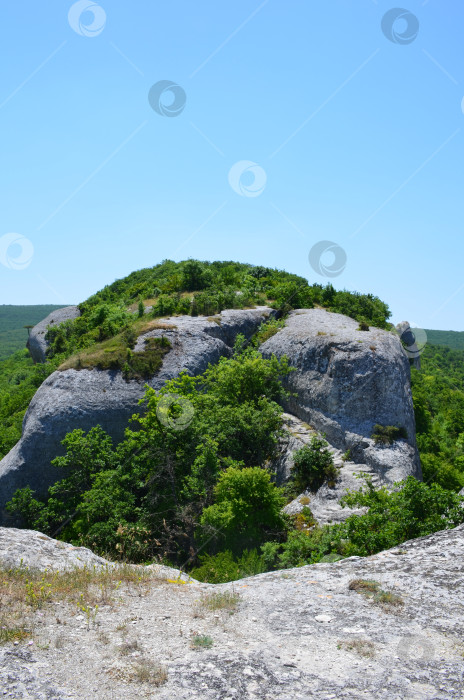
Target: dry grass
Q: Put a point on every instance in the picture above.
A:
(145, 671)
(372, 590)
(364, 586)
(227, 600)
(389, 599)
(362, 647)
(127, 647)
(11, 631)
(115, 354)
(23, 592)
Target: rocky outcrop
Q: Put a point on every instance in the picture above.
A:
(325, 502)
(38, 552)
(36, 343)
(346, 381)
(84, 398)
(410, 343)
(300, 633)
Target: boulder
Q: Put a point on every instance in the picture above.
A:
(84, 398)
(346, 381)
(36, 343)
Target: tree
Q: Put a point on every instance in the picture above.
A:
(312, 465)
(247, 509)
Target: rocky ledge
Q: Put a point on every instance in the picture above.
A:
(301, 633)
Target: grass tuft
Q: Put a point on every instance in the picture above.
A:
(371, 589)
(201, 641)
(227, 600)
(363, 647)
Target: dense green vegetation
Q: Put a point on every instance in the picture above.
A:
(19, 380)
(438, 393)
(201, 288)
(450, 339)
(190, 483)
(13, 319)
(414, 510)
(172, 485)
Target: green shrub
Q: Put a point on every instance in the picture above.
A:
(387, 434)
(224, 566)
(267, 330)
(246, 511)
(312, 466)
(413, 509)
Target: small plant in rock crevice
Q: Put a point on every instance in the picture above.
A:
(201, 641)
(226, 600)
(387, 434)
(371, 589)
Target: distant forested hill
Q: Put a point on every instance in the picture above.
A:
(13, 335)
(452, 339)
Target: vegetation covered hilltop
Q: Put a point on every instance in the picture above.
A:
(202, 497)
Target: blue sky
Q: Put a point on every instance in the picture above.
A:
(358, 140)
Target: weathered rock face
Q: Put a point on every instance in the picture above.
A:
(299, 634)
(325, 502)
(347, 381)
(36, 343)
(84, 398)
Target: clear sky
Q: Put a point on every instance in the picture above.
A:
(356, 128)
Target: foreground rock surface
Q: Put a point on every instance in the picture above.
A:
(36, 343)
(84, 398)
(297, 634)
(346, 381)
